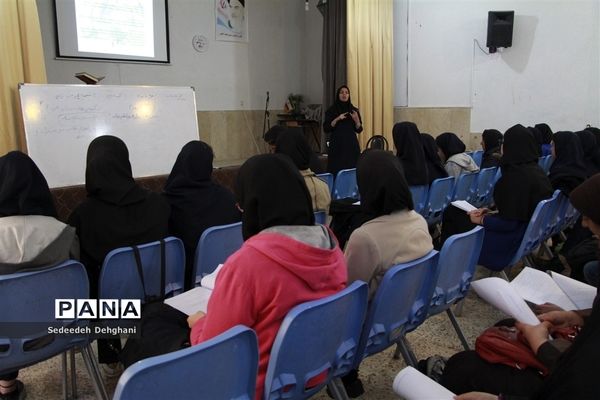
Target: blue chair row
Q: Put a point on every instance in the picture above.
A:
(27, 312)
(328, 178)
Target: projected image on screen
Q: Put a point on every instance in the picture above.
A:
(113, 29)
(115, 26)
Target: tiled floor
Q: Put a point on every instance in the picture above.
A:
(435, 336)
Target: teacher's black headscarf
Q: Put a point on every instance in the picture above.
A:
(381, 183)
(523, 183)
(435, 168)
(409, 151)
(23, 188)
(271, 192)
(197, 203)
(568, 169)
(342, 106)
(450, 144)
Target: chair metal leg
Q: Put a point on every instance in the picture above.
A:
(503, 275)
(336, 387)
(92, 366)
(457, 329)
(63, 358)
(402, 347)
(458, 308)
(73, 374)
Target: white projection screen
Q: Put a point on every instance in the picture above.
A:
(126, 30)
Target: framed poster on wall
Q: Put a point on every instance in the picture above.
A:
(231, 24)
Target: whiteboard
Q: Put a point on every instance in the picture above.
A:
(61, 120)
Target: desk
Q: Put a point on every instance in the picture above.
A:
(311, 128)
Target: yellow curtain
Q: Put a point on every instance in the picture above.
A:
(22, 60)
(370, 36)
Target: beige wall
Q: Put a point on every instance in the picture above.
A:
(234, 135)
(438, 120)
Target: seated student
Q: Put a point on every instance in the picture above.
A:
(567, 170)
(591, 152)
(116, 213)
(409, 150)
(30, 236)
(396, 233)
(452, 153)
(517, 193)
(546, 138)
(491, 141)
(572, 372)
(435, 168)
(197, 203)
(273, 134)
(285, 260)
(294, 145)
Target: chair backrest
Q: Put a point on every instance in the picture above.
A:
(223, 367)
(328, 178)
(320, 217)
(552, 215)
(534, 234)
(440, 193)
(317, 339)
(464, 189)
(214, 246)
(484, 186)
(548, 163)
(560, 216)
(456, 266)
(419, 196)
(477, 156)
(378, 142)
(571, 215)
(120, 279)
(345, 184)
(400, 304)
(28, 309)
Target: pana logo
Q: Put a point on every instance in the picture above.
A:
(97, 309)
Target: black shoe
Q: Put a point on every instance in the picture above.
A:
(352, 384)
(17, 394)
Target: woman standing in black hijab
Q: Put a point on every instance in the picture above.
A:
(116, 213)
(491, 141)
(30, 235)
(409, 150)
(435, 168)
(197, 203)
(568, 170)
(342, 122)
(452, 153)
(396, 233)
(522, 186)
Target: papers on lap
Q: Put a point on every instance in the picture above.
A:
(413, 385)
(196, 299)
(464, 205)
(536, 287)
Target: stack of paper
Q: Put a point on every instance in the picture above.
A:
(413, 385)
(196, 299)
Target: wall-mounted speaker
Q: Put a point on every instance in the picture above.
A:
(500, 29)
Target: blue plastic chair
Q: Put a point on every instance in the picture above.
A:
(320, 217)
(456, 267)
(400, 305)
(464, 189)
(214, 246)
(534, 234)
(28, 310)
(328, 178)
(419, 196)
(316, 339)
(484, 186)
(548, 163)
(345, 185)
(477, 156)
(440, 193)
(571, 215)
(119, 277)
(221, 368)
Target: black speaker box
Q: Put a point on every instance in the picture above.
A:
(500, 29)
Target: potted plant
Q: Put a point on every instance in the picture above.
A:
(295, 101)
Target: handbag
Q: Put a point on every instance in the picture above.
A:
(504, 345)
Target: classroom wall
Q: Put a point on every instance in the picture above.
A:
(230, 79)
(550, 74)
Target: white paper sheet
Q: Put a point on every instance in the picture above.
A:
(192, 301)
(413, 385)
(501, 295)
(581, 294)
(538, 287)
(464, 205)
(208, 281)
